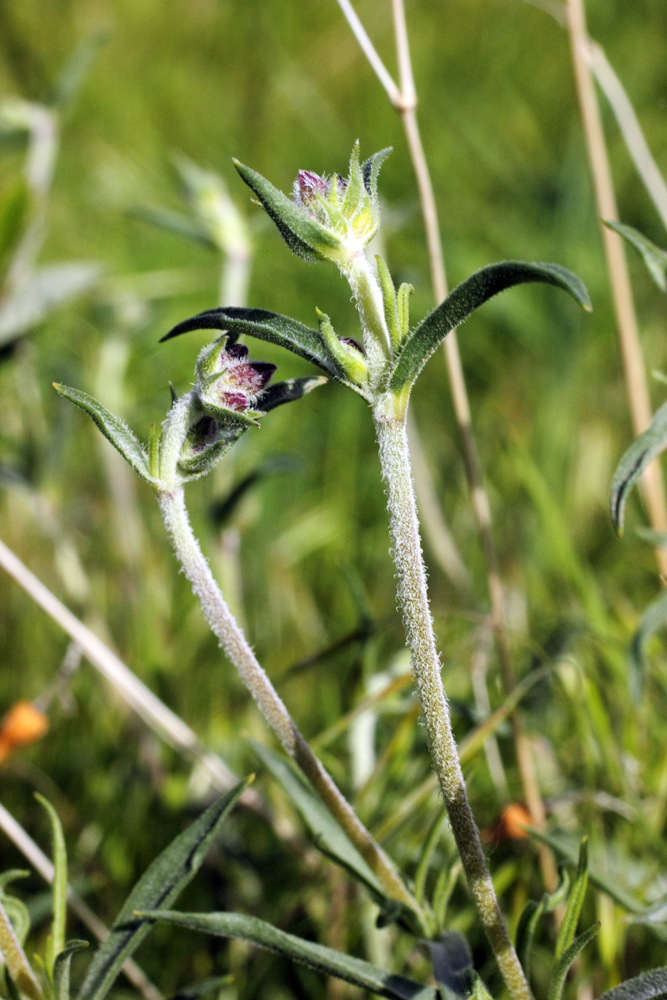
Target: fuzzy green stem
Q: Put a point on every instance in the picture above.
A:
(413, 599)
(368, 299)
(235, 645)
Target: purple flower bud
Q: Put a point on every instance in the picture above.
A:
(352, 343)
(309, 186)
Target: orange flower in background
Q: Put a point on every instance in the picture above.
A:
(22, 725)
(510, 825)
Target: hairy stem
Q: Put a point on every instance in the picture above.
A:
(413, 599)
(636, 383)
(235, 645)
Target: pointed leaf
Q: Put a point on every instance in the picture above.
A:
(159, 886)
(371, 170)
(315, 956)
(56, 941)
(61, 967)
(300, 232)
(114, 429)
(563, 964)
(649, 986)
(635, 461)
(574, 903)
(654, 258)
(467, 297)
(329, 837)
(264, 325)
(173, 222)
(287, 391)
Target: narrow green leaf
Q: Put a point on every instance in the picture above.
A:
(279, 393)
(463, 301)
(656, 539)
(61, 968)
(371, 169)
(173, 222)
(329, 837)
(389, 301)
(300, 232)
(159, 886)
(113, 428)
(315, 956)
(635, 461)
(649, 986)
(264, 325)
(76, 69)
(532, 914)
(563, 964)
(575, 901)
(403, 307)
(56, 941)
(654, 258)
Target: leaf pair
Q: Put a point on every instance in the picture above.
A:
(416, 348)
(568, 946)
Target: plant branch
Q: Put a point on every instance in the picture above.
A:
(413, 599)
(235, 645)
(406, 105)
(626, 321)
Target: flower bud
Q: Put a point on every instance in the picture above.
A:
(227, 382)
(328, 218)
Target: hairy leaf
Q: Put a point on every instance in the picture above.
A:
(463, 301)
(159, 886)
(296, 227)
(112, 427)
(637, 458)
(286, 392)
(315, 956)
(56, 942)
(329, 837)
(574, 903)
(264, 325)
(654, 258)
(61, 967)
(565, 961)
(649, 986)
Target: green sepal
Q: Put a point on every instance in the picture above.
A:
(354, 192)
(197, 464)
(389, 301)
(653, 256)
(563, 964)
(287, 391)
(574, 903)
(154, 450)
(61, 968)
(371, 169)
(113, 428)
(302, 234)
(264, 325)
(350, 362)
(56, 940)
(158, 887)
(635, 461)
(238, 926)
(468, 296)
(403, 306)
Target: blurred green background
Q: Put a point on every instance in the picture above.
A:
(304, 555)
